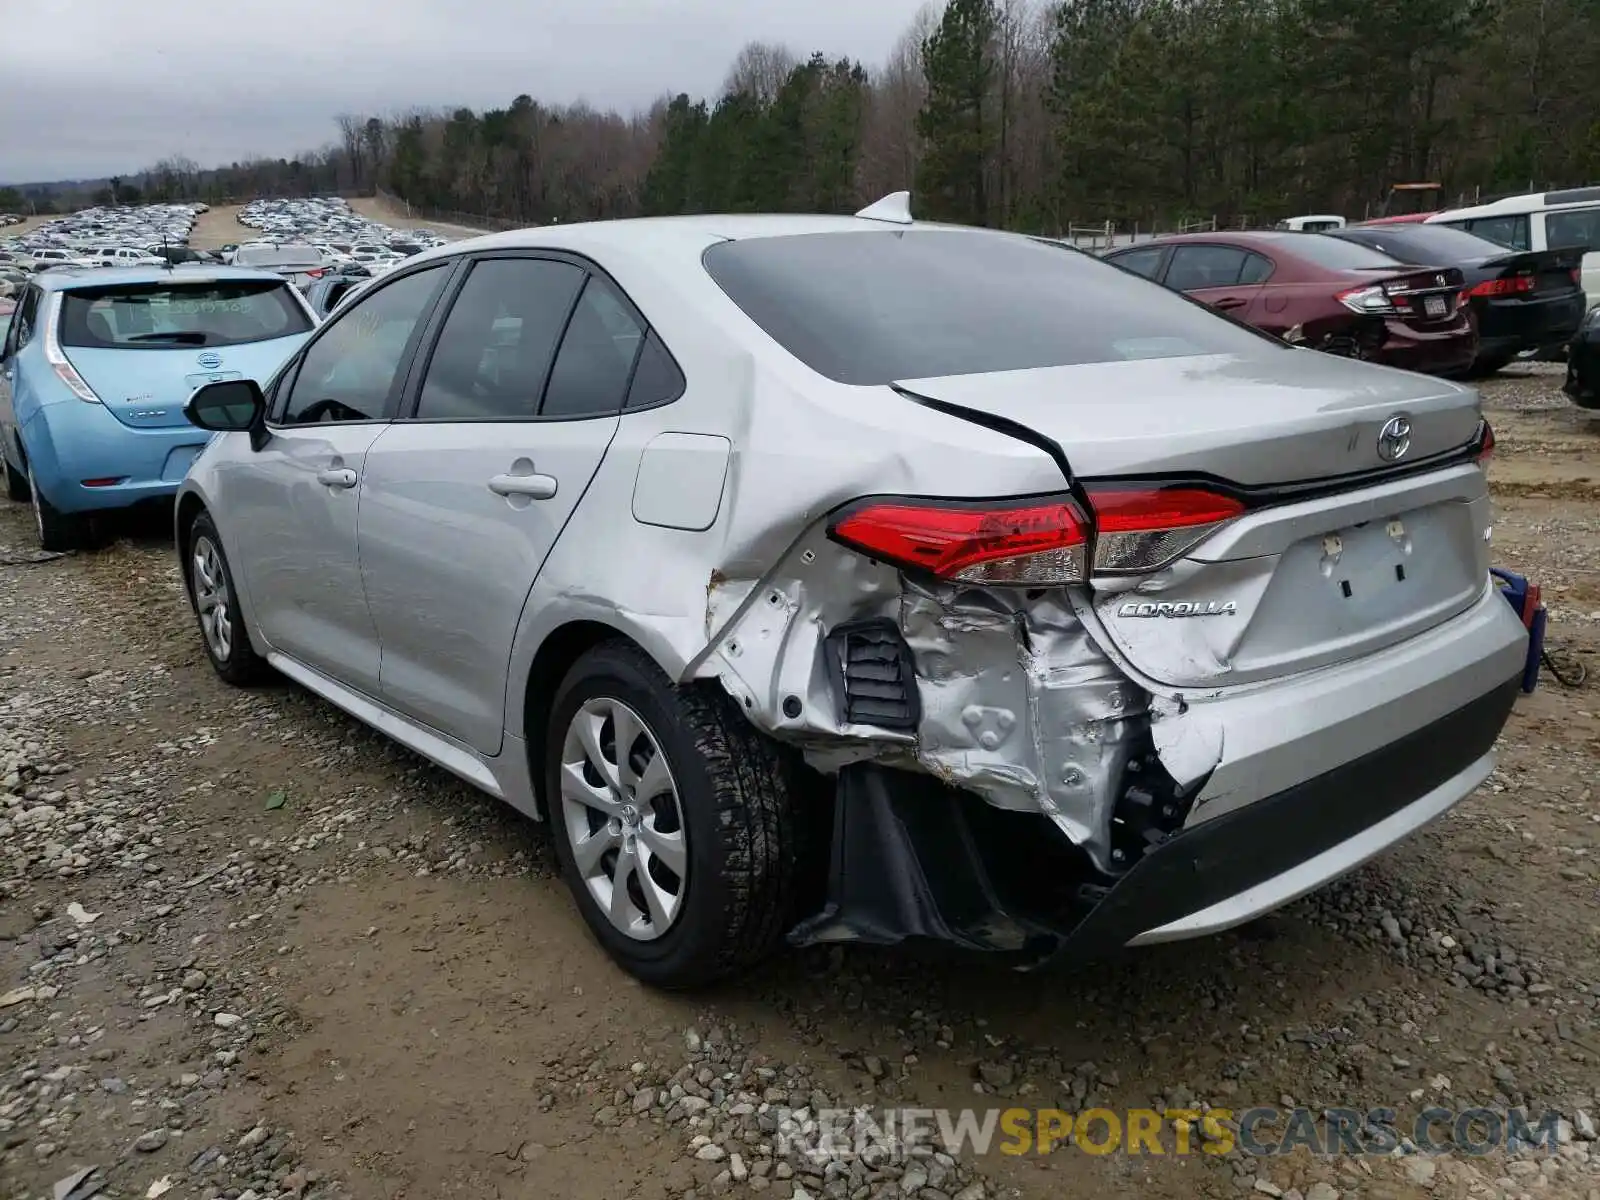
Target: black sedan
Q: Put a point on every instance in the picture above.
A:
(1523, 301)
(1583, 363)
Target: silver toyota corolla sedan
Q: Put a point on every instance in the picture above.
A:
(854, 579)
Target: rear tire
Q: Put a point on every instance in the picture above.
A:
(732, 825)
(16, 482)
(58, 531)
(214, 598)
(1482, 368)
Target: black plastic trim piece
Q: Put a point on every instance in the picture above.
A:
(915, 859)
(874, 674)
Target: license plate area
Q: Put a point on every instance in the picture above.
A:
(1434, 306)
(205, 377)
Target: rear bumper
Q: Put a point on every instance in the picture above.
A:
(1512, 327)
(1317, 779)
(1444, 352)
(1583, 371)
(70, 441)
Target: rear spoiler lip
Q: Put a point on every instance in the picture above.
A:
(1563, 258)
(1268, 494)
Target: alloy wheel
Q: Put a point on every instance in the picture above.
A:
(623, 818)
(212, 599)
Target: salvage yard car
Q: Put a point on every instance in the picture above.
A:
(854, 579)
(96, 367)
(1522, 301)
(1315, 290)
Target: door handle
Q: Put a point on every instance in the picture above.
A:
(1230, 302)
(535, 487)
(337, 477)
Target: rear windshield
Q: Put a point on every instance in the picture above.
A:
(277, 256)
(873, 307)
(157, 316)
(1335, 254)
(1429, 245)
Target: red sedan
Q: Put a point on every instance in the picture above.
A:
(1321, 292)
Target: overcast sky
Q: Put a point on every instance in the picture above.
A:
(90, 88)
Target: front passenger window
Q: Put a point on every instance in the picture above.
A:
(495, 348)
(353, 371)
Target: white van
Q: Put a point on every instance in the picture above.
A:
(1539, 221)
(1315, 223)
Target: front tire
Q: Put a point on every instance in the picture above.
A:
(673, 820)
(58, 531)
(216, 608)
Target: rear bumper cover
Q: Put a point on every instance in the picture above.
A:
(912, 859)
(72, 441)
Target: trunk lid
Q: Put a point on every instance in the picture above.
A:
(147, 389)
(1547, 271)
(1332, 560)
(1284, 417)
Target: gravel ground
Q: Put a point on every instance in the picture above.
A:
(249, 949)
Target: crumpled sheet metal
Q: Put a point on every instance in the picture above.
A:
(1021, 707)
(1018, 703)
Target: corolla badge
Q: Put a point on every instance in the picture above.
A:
(1179, 608)
(1394, 439)
(210, 360)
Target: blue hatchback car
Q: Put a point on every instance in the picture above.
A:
(95, 369)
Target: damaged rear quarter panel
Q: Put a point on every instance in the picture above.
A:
(801, 446)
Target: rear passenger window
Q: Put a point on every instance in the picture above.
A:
(1195, 267)
(1257, 269)
(1573, 230)
(1140, 262)
(656, 379)
(494, 352)
(1506, 231)
(595, 363)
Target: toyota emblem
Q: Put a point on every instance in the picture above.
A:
(1394, 439)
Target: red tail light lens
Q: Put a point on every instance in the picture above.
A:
(1369, 299)
(1037, 543)
(1145, 529)
(1034, 543)
(1577, 275)
(1483, 449)
(1517, 286)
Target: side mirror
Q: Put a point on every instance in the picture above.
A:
(230, 406)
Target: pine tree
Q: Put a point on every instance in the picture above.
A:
(954, 122)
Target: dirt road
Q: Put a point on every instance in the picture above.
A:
(249, 949)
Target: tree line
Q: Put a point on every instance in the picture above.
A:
(1028, 115)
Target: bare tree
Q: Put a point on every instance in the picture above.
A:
(759, 71)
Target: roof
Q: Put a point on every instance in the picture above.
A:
(681, 233)
(1239, 237)
(1528, 202)
(61, 280)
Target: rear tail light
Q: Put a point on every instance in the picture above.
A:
(57, 358)
(1036, 542)
(1369, 299)
(1577, 275)
(1483, 444)
(1516, 286)
(1144, 529)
